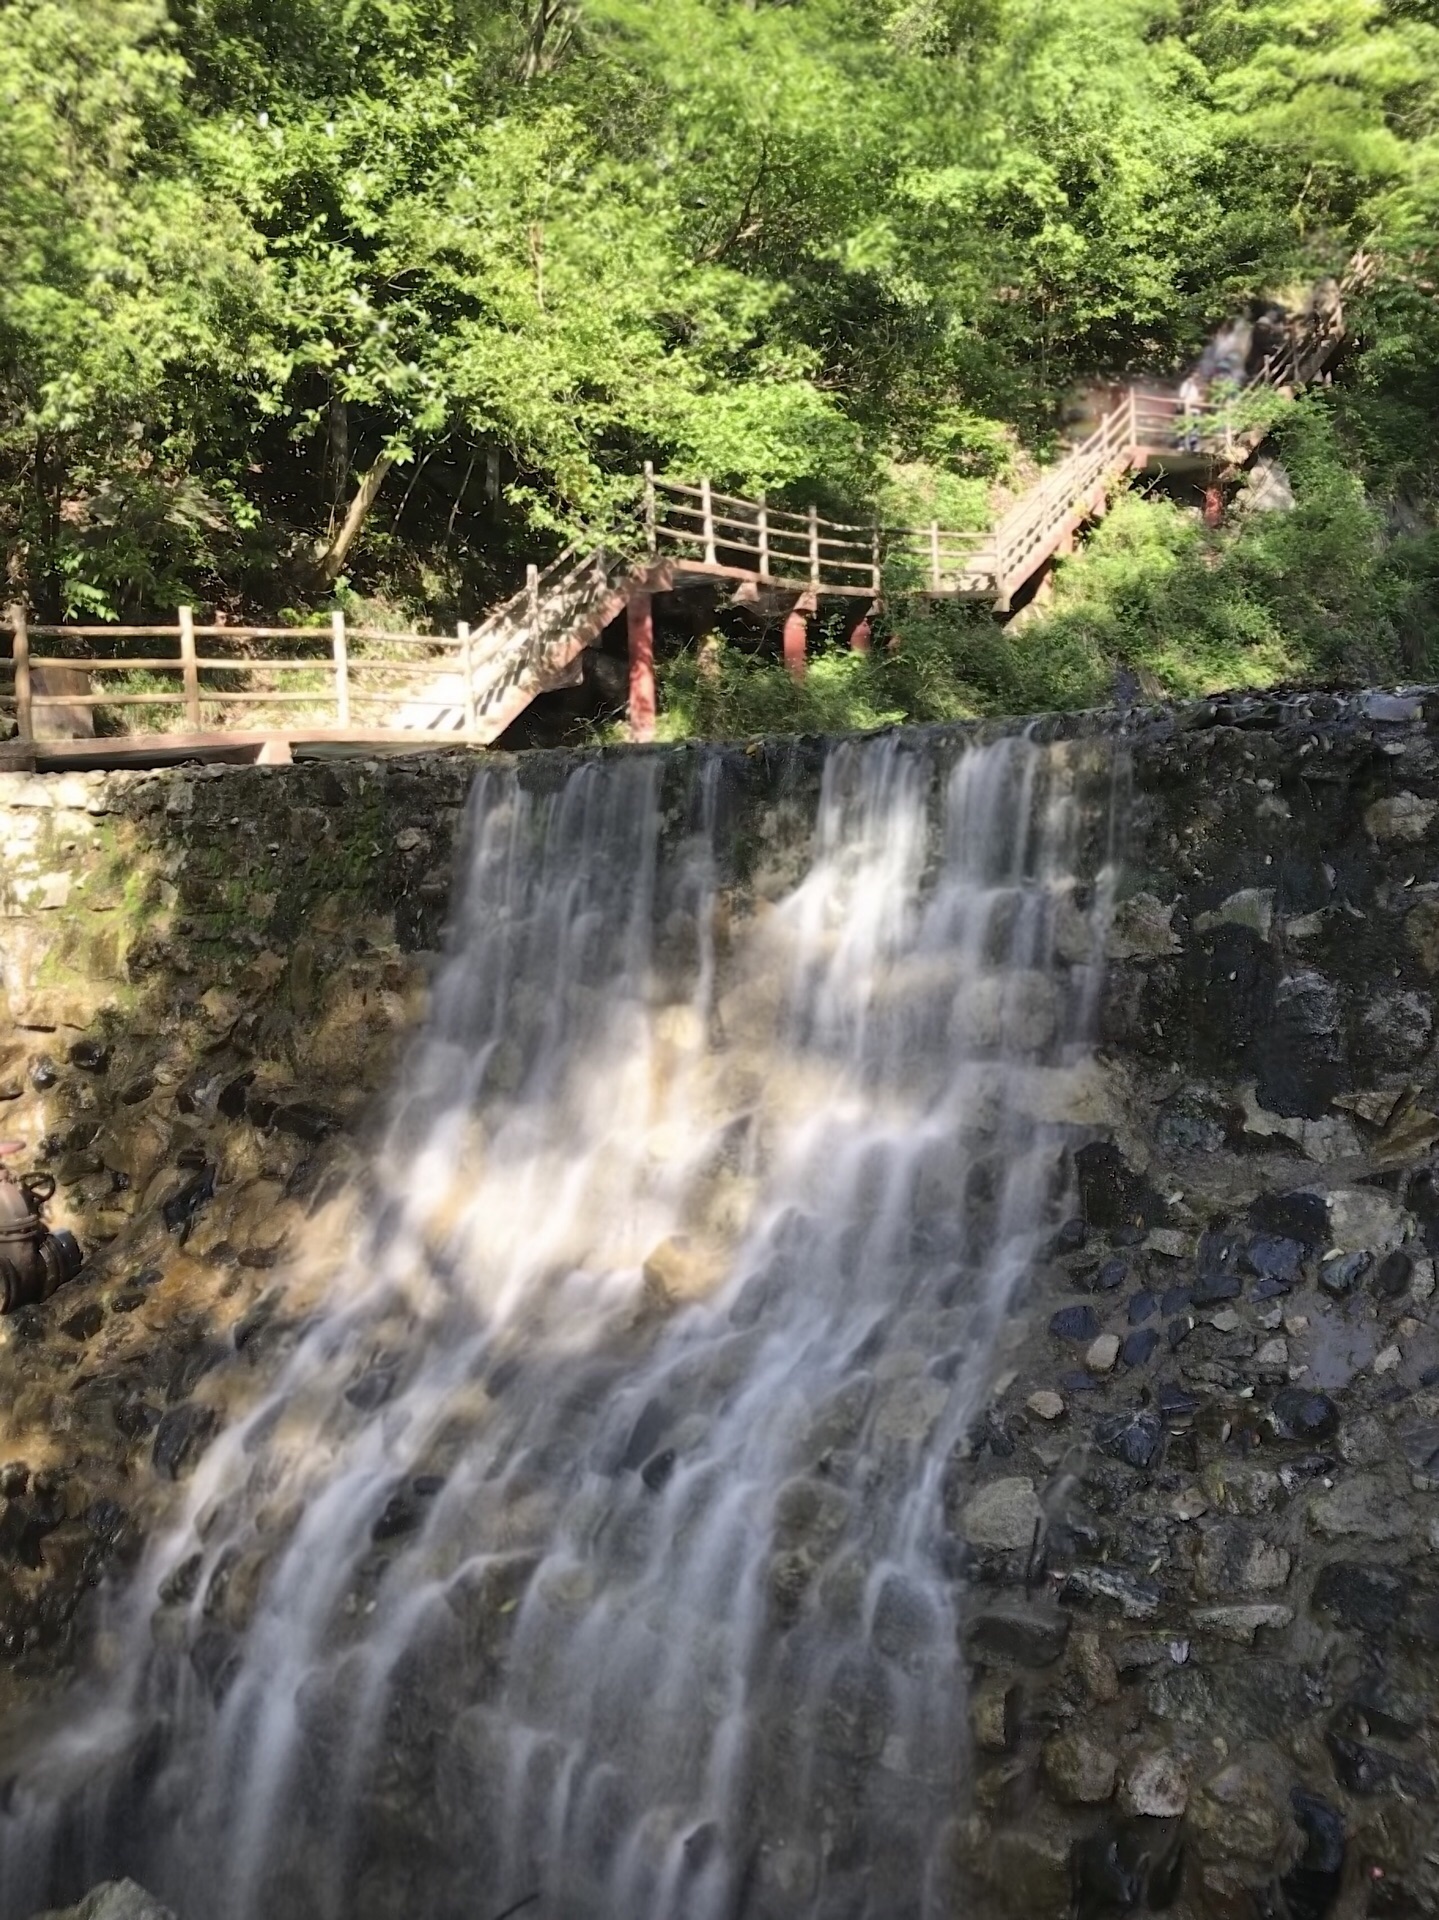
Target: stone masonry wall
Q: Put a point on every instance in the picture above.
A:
(1202, 1514)
(1200, 1517)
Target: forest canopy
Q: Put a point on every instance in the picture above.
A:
(467, 264)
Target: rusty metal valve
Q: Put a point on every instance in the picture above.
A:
(33, 1260)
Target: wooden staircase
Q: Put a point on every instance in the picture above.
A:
(533, 642)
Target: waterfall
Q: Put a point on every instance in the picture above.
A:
(588, 1552)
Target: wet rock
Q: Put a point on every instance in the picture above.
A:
(1074, 1323)
(1111, 1194)
(1297, 1413)
(905, 1622)
(991, 1715)
(855, 1717)
(1364, 1217)
(1394, 1030)
(1300, 1215)
(656, 1472)
(1240, 1623)
(303, 1120)
(1364, 1441)
(1021, 1636)
(1079, 1771)
(1392, 1276)
(1272, 1256)
(187, 1199)
(1138, 1348)
(811, 1515)
(1311, 1886)
(1369, 1599)
(90, 1056)
(1237, 1558)
(1131, 1437)
(182, 1436)
(1141, 1308)
(1155, 1786)
(1004, 1516)
(1194, 1120)
(908, 1411)
(1341, 1273)
(402, 1513)
(44, 1074)
(1103, 1353)
(1366, 1769)
(1096, 1671)
(1244, 1811)
(1184, 1695)
(114, 1900)
(1113, 1589)
(1420, 1447)
(1359, 1509)
(1069, 1238)
(85, 1322)
(654, 1417)
(1403, 817)
(1299, 1053)
(1029, 1873)
(1107, 1876)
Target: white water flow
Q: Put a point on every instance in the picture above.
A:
(589, 1556)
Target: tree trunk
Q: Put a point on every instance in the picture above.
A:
(548, 32)
(330, 560)
(337, 456)
(49, 485)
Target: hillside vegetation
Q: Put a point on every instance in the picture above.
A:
(376, 299)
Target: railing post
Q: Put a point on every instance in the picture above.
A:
(707, 506)
(796, 636)
(763, 538)
(340, 647)
(467, 668)
(20, 654)
(652, 529)
(876, 569)
(190, 672)
(532, 597)
(814, 546)
(640, 629)
(934, 554)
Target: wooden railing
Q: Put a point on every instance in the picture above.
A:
(717, 533)
(469, 686)
(359, 675)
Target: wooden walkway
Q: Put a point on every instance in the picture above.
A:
(336, 689)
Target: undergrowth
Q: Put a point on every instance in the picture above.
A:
(1332, 590)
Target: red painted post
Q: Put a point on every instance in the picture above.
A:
(796, 636)
(640, 620)
(1214, 506)
(861, 634)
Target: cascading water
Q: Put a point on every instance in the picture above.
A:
(588, 1555)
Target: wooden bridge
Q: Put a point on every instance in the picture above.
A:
(206, 692)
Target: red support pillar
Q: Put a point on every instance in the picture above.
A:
(861, 634)
(796, 636)
(1214, 506)
(640, 620)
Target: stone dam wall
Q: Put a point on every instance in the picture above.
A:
(1200, 1519)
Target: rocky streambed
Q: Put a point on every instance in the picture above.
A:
(1197, 1524)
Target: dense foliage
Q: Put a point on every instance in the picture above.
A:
(493, 254)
